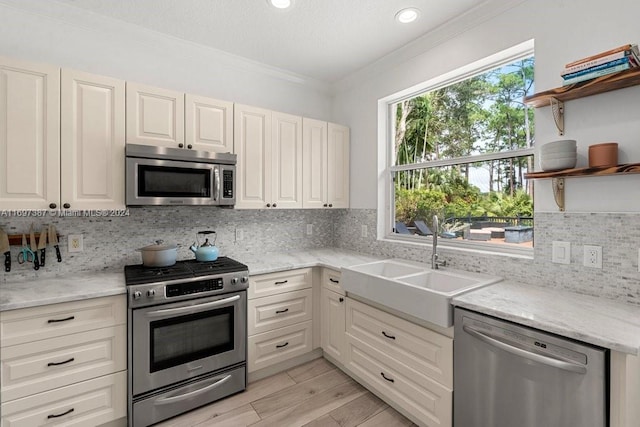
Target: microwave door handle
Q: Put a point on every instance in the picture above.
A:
(181, 397)
(193, 308)
(216, 183)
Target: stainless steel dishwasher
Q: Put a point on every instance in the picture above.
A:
(507, 375)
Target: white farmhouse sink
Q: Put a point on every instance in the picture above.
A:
(413, 288)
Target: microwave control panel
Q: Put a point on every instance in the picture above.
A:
(227, 184)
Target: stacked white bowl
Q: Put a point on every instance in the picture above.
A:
(558, 155)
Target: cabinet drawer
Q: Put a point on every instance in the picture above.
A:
(43, 365)
(425, 399)
(279, 345)
(54, 320)
(88, 403)
(277, 283)
(331, 280)
(423, 350)
(276, 311)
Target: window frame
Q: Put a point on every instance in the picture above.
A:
(386, 168)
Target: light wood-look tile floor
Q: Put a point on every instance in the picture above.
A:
(316, 394)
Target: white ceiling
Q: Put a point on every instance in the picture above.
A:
(323, 39)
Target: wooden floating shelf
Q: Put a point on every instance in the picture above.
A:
(627, 168)
(598, 85)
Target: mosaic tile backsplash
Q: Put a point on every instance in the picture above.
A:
(110, 243)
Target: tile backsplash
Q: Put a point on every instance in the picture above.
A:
(111, 242)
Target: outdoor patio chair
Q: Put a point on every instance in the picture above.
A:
(422, 228)
(401, 228)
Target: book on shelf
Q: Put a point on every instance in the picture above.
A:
(632, 47)
(625, 60)
(629, 53)
(598, 73)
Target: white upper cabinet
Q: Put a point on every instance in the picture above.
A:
(286, 161)
(167, 118)
(325, 165)
(338, 166)
(208, 124)
(155, 116)
(92, 141)
(252, 144)
(269, 149)
(29, 135)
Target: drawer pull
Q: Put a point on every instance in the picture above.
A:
(282, 345)
(334, 280)
(391, 380)
(282, 311)
(61, 320)
(391, 337)
(341, 299)
(60, 415)
(281, 283)
(60, 363)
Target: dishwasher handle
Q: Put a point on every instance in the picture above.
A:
(546, 360)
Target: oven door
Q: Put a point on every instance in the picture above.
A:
(177, 341)
(170, 182)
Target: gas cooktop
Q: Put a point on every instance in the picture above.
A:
(139, 274)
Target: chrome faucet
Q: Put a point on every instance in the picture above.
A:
(435, 264)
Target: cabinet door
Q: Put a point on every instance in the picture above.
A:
(332, 331)
(252, 130)
(314, 165)
(29, 135)
(208, 124)
(338, 171)
(286, 161)
(92, 141)
(155, 116)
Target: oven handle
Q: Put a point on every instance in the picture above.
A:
(181, 397)
(193, 308)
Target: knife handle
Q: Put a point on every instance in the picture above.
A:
(7, 261)
(58, 253)
(43, 252)
(36, 263)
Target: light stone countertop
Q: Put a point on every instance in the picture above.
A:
(597, 321)
(43, 291)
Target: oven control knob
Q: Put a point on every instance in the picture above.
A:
(151, 293)
(137, 295)
(234, 281)
(244, 279)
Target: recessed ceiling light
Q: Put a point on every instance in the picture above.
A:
(280, 4)
(407, 15)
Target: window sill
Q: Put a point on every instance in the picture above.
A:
(478, 248)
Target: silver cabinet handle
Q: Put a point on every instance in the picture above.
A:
(550, 361)
(185, 396)
(193, 308)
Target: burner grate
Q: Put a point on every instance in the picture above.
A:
(139, 274)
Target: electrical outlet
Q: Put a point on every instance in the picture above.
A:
(309, 229)
(593, 256)
(561, 252)
(75, 243)
(363, 231)
(639, 260)
(239, 234)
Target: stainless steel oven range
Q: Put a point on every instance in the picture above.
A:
(187, 336)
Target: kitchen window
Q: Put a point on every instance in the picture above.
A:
(458, 147)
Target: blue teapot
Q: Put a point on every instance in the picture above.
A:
(206, 251)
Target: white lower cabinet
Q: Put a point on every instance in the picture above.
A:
(280, 312)
(407, 365)
(64, 364)
(333, 339)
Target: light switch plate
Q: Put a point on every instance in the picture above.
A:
(561, 252)
(75, 243)
(309, 229)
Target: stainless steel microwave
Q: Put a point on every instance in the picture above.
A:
(161, 176)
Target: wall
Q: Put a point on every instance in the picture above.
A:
(602, 211)
(110, 243)
(48, 32)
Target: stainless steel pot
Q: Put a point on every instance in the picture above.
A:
(159, 255)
